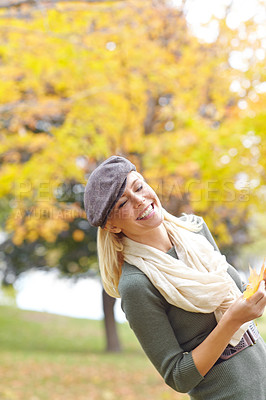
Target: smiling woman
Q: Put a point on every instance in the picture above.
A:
(181, 297)
(138, 214)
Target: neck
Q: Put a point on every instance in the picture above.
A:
(157, 237)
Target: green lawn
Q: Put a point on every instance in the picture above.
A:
(50, 357)
(46, 356)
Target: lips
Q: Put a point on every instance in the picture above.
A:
(147, 211)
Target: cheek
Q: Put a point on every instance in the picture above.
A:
(153, 195)
(123, 214)
(148, 191)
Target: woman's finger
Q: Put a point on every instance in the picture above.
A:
(261, 292)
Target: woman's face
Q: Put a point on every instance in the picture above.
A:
(137, 211)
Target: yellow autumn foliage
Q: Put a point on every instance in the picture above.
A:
(254, 281)
(78, 235)
(83, 81)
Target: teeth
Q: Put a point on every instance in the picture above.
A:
(147, 212)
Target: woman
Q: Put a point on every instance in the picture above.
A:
(180, 296)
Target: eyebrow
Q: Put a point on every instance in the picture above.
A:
(135, 180)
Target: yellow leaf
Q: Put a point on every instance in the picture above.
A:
(78, 235)
(254, 281)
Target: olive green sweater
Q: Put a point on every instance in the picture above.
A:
(168, 334)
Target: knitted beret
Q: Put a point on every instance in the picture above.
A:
(104, 188)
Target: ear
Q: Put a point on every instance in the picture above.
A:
(112, 228)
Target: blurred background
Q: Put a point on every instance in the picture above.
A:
(176, 86)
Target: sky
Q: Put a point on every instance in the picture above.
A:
(200, 12)
(48, 292)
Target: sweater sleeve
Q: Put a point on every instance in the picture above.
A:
(146, 312)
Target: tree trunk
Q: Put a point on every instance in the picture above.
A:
(112, 339)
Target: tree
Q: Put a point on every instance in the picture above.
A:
(83, 82)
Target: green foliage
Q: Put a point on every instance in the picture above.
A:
(73, 252)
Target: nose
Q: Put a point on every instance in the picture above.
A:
(138, 200)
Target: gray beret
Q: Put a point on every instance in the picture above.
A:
(104, 188)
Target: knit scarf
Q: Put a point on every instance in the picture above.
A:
(197, 282)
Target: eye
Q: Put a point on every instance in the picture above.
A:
(122, 204)
(139, 188)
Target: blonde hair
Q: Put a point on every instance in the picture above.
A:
(110, 255)
(110, 250)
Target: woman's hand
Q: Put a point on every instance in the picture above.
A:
(242, 310)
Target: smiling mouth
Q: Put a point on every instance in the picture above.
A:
(147, 212)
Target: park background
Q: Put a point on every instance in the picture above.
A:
(179, 88)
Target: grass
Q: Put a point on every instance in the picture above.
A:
(45, 356)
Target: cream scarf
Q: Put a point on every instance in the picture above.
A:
(196, 282)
